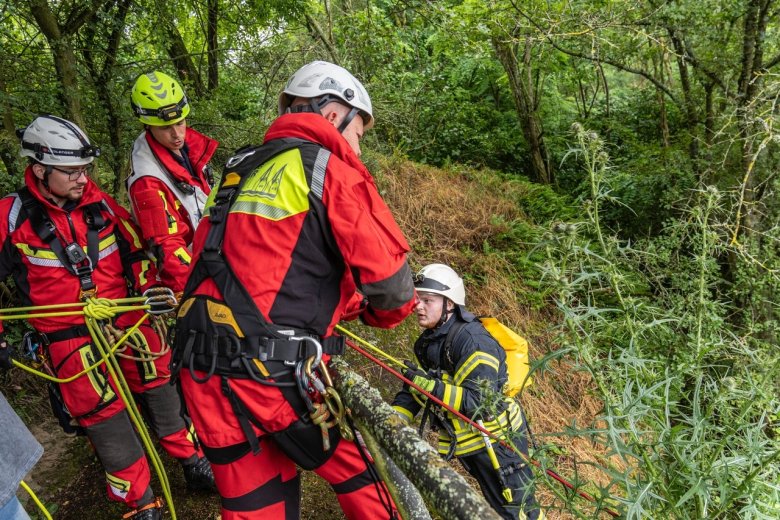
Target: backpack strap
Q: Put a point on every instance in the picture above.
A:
(445, 355)
(71, 256)
(211, 263)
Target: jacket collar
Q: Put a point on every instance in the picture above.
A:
(200, 149)
(317, 129)
(91, 192)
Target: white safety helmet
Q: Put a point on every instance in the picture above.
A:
(441, 279)
(55, 141)
(326, 82)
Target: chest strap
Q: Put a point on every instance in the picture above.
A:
(71, 256)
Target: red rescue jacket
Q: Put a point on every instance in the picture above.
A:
(40, 277)
(164, 221)
(303, 242)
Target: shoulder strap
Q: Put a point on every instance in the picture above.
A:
(44, 228)
(211, 263)
(445, 359)
(39, 219)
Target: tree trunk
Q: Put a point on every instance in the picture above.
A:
(212, 43)
(177, 50)
(691, 116)
(8, 140)
(101, 77)
(64, 58)
(522, 88)
(446, 491)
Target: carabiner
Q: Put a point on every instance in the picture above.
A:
(318, 346)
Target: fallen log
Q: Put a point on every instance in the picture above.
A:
(444, 490)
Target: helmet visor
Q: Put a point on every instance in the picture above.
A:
(422, 283)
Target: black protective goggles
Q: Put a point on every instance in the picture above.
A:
(166, 113)
(421, 283)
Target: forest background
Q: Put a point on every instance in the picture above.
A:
(604, 172)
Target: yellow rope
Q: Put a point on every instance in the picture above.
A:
(132, 409)
(35, 499)
(370, 346)
(93, 310)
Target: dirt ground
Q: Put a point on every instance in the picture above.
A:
(69, 481)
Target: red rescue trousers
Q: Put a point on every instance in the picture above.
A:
(94, 402)
(266, 484)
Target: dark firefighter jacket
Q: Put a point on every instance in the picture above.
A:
(39, 275)
(306, 232)
(168, 215)
(471, 378)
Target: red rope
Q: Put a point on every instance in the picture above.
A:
(441, 403)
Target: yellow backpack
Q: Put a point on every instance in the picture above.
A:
(515, 346)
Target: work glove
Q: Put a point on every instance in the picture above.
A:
(5, 355)
(160, 300)
(419, 378)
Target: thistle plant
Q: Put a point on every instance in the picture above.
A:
(689, 392)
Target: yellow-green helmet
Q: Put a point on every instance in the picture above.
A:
(158, 99)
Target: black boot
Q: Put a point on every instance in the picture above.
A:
(151, 511)
(199, 476)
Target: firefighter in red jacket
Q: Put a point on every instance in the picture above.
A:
(296, 228)
(64, 240)
(170, 178)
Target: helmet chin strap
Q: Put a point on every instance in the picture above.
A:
(445, 313)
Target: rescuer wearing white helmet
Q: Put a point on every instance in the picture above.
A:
(65, 241)
(456, 361)
(309, 216)
(170, 177)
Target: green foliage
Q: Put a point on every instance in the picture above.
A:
(689, 396)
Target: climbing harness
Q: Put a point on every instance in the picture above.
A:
(486, 433)
(230, 338)
(94, 311)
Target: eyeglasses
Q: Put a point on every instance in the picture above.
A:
(74, 175)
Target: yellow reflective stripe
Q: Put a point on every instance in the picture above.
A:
(468, 439)
(471, 363)
(403, 411)
(105, 243)
(183, 255)
(36, 252)
(453, 396)
(98, 380)
(173, 227)
(118, 485)
(146, 367)
(145, 266)
(136, 239)
(277, 189)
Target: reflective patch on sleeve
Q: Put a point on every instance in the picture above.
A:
(183, 255)
(145, 266)
(471, 363)
(131, 231)
(403, 411)
(173, 226)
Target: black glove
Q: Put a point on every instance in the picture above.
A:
(5, 355)
(412, 370)
(160, 300)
